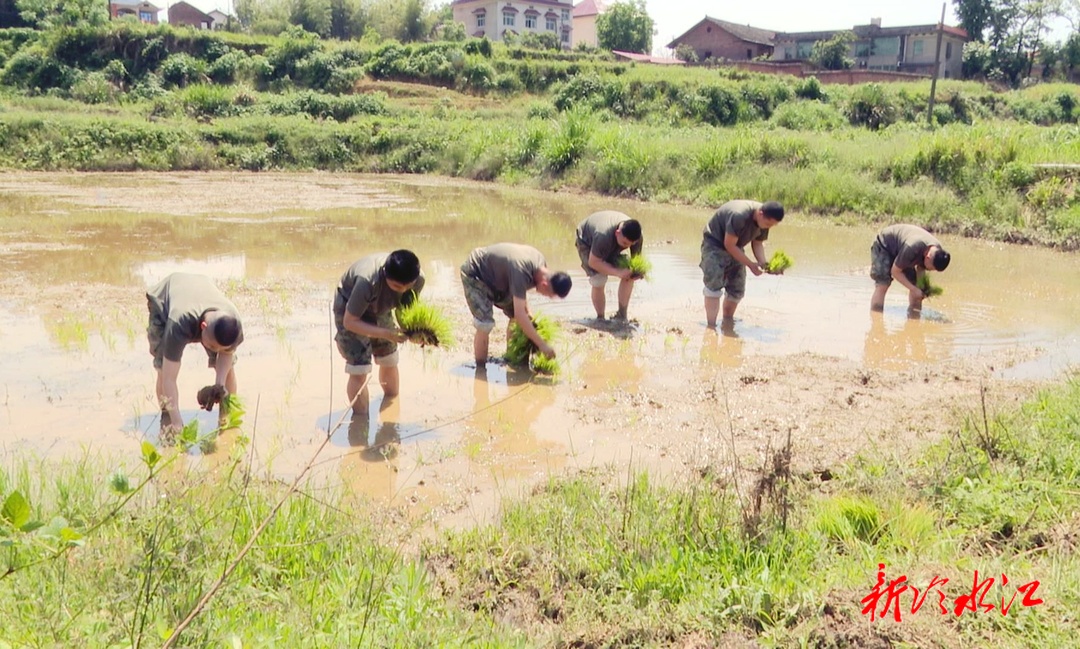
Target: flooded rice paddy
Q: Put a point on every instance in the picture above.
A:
(806, 355)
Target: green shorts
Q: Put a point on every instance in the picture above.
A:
(881, 264)
(358, 350)
(482, 302)
(596, 279)
(722, 272)
(155, 335)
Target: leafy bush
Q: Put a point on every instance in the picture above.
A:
(808, 116)
(810, 88)
(870, 106)
(94, 88)
(34, 69)
(324, 106)
(224, 69)
(564, 148)
(203, 100)
(182, 69)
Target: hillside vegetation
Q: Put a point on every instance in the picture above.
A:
(133, 97)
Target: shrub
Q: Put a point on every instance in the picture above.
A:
(569, 144)
(870, 106)
(808, 116)
(182, 69)
(810, 88)
(93, 88)
(225, 67)
(33, 69)
(323, 106)
(202, 100)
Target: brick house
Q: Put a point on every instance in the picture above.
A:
(143, 11)
(585, 14)
(494, 18)
(182, 13)
(895, 49)
(718, 39)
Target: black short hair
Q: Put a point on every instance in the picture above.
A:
(226, 330)
(941, 259)
(631, 229)
(561, 283)
(402, 266)
(773, 210)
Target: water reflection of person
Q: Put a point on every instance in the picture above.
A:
(723, 348)
(370, 467)
(884, 349)
(504, 427)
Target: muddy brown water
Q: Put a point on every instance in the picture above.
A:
(77, 251)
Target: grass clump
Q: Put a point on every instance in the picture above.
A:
(928, 289)
(519, 349)
(425, 324)
(779, 262)
(640, 267)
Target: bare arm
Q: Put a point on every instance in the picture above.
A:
(222, 368)
(524, 320)
(731, 245)
(898, 275)
(601, 266)
(759, 252)
(368, 330)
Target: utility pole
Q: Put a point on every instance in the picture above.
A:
(937, 67)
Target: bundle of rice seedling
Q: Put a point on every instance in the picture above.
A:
(519, 348)
(929, 289)
(543, 365)
(779, 262)
(425, 324)
(639, 266)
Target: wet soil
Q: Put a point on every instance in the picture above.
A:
(662, 392)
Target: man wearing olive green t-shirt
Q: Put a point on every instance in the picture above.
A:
(600, 240)
(186, 308)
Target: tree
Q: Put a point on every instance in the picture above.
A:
(313, 15)
(626, 27)
(833, 53)
(1013, 30)
(413, 28)
(47, 14)
(685, 52)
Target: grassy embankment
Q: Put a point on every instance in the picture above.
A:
(134, 98)
(605, 558)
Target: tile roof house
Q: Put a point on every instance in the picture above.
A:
(496, 18)
(585, 14)
(145, 12)
(719, 39)
(181, 13)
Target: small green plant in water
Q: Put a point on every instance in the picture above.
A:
(928, 289)
(640, 267)
(519, 348)
(425, 324)
(779, 262)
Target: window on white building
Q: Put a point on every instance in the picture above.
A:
(508, 20)
(566, 15)
(566, 37)
(551, 24)
(530, 22)
(481, 20)
(916, 47)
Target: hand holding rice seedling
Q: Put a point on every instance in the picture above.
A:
(639, 266)
(779, 262)
(928, 289)
(519, 348)
(425, 324)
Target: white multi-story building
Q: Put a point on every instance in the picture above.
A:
(496, 18)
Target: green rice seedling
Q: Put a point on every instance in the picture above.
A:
(519, 348)
(639, 266)
(927, 288)
(779, 262)
(543, 365)
(425, 324)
